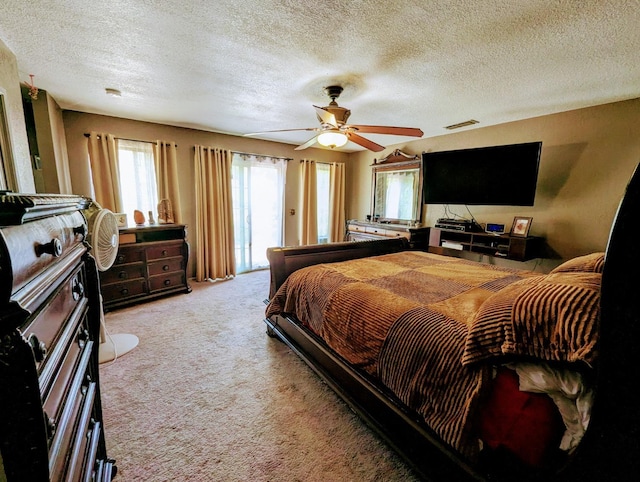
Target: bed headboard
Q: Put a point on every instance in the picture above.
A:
(611, 447)
(285, 260)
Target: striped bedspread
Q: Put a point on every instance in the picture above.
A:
(403, 318)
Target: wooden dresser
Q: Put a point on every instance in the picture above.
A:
(151, 262)
(50, 408)
(365, 231)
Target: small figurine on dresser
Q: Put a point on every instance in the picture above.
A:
(165, 212)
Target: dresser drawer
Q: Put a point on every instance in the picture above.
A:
(165, 266)
(65, 427)
(170, 280)
(129, 254)
(392, 233)
(55, 395)
(357, 228)
(123, 273)
(375, 230)
(164, 250)
(48, 327)
(124, 290)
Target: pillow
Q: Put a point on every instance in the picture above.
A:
(554, 317)
(589, 263)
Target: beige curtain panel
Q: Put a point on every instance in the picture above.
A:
(103, 158)
(336, 202)
(308, 228)
(215, 257)
(165, 158)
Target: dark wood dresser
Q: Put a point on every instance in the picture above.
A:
(51, 424)
(151, 262)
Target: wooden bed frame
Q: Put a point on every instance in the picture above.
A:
(610, 449)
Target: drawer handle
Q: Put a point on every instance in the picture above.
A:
(167, 282)
(124, 291)
(39, 348)
(165, 267)
(80, 231)
(83, 337)
(120, 259)
(77, 289)
(164, 252)
(50, 425)
(53, 247)
(122, 275)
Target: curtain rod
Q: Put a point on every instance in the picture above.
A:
(261, 155)
(125, 139)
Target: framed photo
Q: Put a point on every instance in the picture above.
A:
(521, 226)
(121, 219)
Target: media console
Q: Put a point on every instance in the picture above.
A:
(451, 242)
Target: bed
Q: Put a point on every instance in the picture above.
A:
(469, 370)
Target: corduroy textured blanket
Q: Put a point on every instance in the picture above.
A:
(403, 318)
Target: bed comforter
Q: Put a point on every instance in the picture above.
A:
(367, 309)
(430, 327)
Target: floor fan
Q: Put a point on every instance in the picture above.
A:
(103, 237)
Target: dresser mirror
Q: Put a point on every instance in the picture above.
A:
(397, 189)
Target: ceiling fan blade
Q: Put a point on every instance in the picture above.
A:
(281, 130)
(325, 116)
(372, 146)
(398, 131)
(309, 143)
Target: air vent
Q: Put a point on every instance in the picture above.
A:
(470, 122)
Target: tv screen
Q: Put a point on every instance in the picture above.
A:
(492, 176)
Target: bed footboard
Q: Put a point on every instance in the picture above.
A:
(284, 261)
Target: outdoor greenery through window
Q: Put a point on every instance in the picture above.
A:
(138, 186)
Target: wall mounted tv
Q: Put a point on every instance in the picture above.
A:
(492, 176)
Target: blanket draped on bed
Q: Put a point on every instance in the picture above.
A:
(403, 318)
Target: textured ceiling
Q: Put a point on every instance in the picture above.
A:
(243, 66)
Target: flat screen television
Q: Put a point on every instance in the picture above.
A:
(492, 176)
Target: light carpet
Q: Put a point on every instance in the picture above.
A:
(208, 396)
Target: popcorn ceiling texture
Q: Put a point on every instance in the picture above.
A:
(245, 66)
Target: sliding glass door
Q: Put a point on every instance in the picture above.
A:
(258, 194)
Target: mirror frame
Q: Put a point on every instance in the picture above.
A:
(398, 161)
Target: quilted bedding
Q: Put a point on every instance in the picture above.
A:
(403, 318)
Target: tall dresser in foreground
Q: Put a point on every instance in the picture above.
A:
(51, 426)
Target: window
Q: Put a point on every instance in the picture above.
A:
(258, 194)
(138, 184)
(322, 180)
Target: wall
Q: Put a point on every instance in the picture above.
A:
(18, 142)
(588, 155)
(76, 124)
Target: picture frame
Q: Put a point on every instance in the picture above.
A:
(521, 226)
(121, 220)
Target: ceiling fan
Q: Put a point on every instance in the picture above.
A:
(335, 132)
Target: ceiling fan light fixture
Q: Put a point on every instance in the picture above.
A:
(332, 139)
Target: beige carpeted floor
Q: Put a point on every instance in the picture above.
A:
(208, 396)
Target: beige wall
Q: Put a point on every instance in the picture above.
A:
(76, 124)
(588, 155)
(17, 131)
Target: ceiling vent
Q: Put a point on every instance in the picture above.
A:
(470, 122)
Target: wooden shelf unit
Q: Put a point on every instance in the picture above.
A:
(151, 262)
(451, 242)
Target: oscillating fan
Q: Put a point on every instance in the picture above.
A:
(103, 238)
